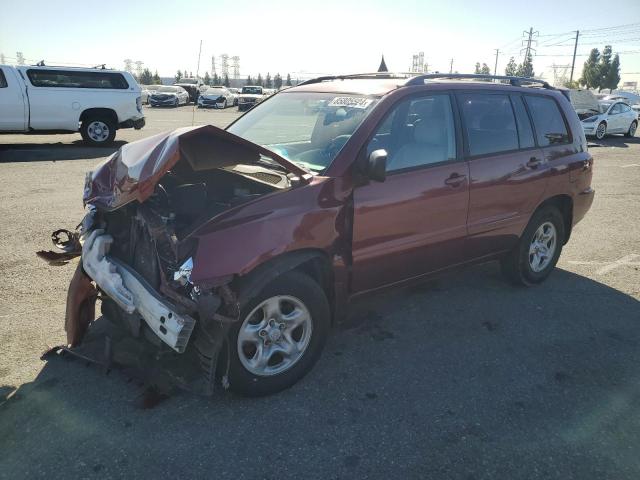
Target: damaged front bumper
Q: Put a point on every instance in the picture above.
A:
(133, 294)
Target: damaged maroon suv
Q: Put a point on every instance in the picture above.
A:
(234, 250)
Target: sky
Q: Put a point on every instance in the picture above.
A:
(310, 38)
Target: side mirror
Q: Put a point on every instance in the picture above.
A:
(377, 167)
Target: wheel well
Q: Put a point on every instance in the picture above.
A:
(101, 113)
(564, 203)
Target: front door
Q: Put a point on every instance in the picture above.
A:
(415, 221)
(12, 102)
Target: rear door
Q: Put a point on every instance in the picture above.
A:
(13, 102)
(415, 221)
(615, 119)
(508, 171)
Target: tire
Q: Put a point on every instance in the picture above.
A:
(98, 131)
(526, 264)
(632, 129)
(235, 102)
(177, 104)
(312, 332)
(224, 105)
(601, 130)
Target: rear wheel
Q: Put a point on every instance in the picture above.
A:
(537, 252)
(98, 131)
(632, 129)
(601, 131)
(280, 336)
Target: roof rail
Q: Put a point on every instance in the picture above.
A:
(358, 75)
(515, 81)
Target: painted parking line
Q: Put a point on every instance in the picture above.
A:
(630, 165)
(606, 267)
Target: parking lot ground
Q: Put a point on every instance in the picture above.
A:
(464, 377)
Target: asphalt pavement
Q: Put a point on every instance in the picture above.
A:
(465, 377)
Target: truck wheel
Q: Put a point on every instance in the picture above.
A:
(98, 131)
(279, 337)
(538, 250)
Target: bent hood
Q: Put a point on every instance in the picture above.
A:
(133, 171)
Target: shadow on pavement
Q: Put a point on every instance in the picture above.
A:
(41, 152)
(618, 141)
(464, 377)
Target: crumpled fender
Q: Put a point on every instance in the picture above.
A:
(81, 306)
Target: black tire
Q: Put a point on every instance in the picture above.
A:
(516, 265)
(235, 102)
(87, 131)
(305, 289)
(632, 129)
(177, 104)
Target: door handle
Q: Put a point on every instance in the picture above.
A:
(534, 162)
(455, 180)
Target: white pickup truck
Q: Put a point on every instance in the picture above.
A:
(95, 102)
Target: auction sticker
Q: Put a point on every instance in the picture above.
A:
(353, 102)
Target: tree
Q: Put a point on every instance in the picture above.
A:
(525, 69)
(145, 77)
(604, 66)
(249, 80)
(156, 78)
(485, 70)
(612, 78)
(512, 68)
(591, 71)
(178, 76)
(288, 84)
(277, 81)
(259, 80)
(477, 70)
(207, 78)
(216, 79)
(226, 80)
(267, 81)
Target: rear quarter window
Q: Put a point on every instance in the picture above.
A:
(77, 79)
(3, 80)
(548, 120)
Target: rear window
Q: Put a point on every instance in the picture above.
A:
(77, 79)
(489, 122)
(549, 123)
(3, 80)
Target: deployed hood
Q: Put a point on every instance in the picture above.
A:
(134, 170)
(584, 101)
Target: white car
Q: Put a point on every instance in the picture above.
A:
(95, 102)
(169, 96)
(148, 90)
(614, 117)
(217, 97)
(250, 96)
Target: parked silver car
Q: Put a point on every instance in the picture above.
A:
(169, 96)
(217, 97)
(614, 117)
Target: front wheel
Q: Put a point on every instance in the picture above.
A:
(280, 336)
(632, 129)
(601, 131)
(538, 250)
(98, 131)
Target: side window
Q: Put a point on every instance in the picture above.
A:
(549, 123)
(525, 132)
(3, 80)
(625, 108)
(489, 122)
(417, 133)
(617, 108)
(77, 79)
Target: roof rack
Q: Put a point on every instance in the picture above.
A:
(514, 81)
(358, 75)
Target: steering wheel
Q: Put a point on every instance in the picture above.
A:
(335, 145)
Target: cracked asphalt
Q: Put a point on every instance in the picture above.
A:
(464, 377)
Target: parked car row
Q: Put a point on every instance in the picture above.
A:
(606, 114)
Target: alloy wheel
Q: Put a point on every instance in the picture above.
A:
(542, 247)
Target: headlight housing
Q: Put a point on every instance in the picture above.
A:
(590, 119)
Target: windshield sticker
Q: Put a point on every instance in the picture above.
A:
(353, 102)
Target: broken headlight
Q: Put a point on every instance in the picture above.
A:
(183, 274)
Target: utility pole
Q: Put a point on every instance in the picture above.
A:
(495, 69)
(451, 66)
(573, 62)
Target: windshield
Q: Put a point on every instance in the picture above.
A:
(252, 90)
(214, 91)
(168, 89)
(604, 106)
(306, 128)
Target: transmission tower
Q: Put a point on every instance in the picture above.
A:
(560, 74)
(213, 65)
(236, 67)
(127, 65)
(528, 39)
(19, 58)
(138, 68)
(2, 61)
(225, 64)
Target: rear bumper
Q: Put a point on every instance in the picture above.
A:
(133, 294)
(582, 203)
(133, 123)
